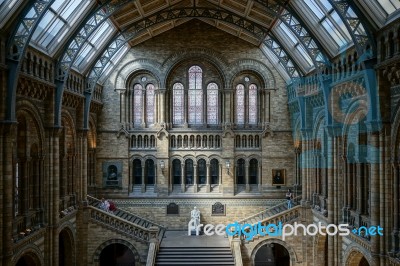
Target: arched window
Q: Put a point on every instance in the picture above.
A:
(137, 104)
(212, 104)
(195, 104)
(240, 171)
(176, 171)
(150, 104)
(178, 103)
(240, 98)
(150, 172)
(137, 171)
(214, 171)
(253, 171)
(189, 171)
(201, 171)
(253, 104)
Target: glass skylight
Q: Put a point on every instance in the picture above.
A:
(57, 21)
(292, 43)
(389, 6)
(6, 7)
(93, 44)
(330, 21)
(114, 61)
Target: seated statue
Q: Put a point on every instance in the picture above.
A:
(112, 175)
(194, 222)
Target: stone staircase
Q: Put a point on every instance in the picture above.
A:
(119, 216)
(270, 212)
(171, 256)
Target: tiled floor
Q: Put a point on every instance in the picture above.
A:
(181, 239)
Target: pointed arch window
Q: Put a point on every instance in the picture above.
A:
(178, 103)
(195, 104)
(212, 104)
(137, 104)
(240, 98)
(252, 104)
(150, 104)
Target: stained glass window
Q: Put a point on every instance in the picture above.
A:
(195, 103)
(150, 104)
(178, 103)
(253, 104)
(212, 104)
(137, 104)
(240, 104)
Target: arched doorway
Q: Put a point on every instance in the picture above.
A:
(117, 254)
(66, 254)
(356, 258)
(29, 259)
(272, 255)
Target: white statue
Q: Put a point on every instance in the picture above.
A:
(194, 221)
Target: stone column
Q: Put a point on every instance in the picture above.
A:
(185, 107)
(208, 186)
(246, 176)
(143, 124)
(143, 178)
(375, 189)
(183, 181)
(195, 178)
(7, 140)
(162, 110)
(259, 175)
(395, 232)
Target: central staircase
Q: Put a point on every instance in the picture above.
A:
(177, 248)
(169, 256)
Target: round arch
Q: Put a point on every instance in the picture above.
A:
(355, 257)
(31, 255)
(100, 248)
(256, 67)
(292, 253)
(67, 254)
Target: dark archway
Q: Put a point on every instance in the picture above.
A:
(272, 255)
(66, 254)
(29, 259)
(117, 255)
(363, 262)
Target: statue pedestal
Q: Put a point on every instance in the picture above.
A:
(194, 233)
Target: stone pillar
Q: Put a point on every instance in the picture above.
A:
(375, 191)
(183, 181)
(162, 110)
(208, 186)
(7, 139)
(246, 176)
(143, 189)
(259, 175)
(195, 177)
(185, 108)
(395, 232)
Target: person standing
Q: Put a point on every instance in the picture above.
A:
(289, 197)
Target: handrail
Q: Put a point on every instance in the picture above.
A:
(266, 211)
(137, 220)
(121, 225)
(148, 222)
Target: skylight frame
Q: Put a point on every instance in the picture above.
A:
(293, 45)
(315, 14)
(115, 60)
(49, 37)
(7, 13)
(94, 45)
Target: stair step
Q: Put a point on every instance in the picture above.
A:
(193, 259)
(195, 263)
